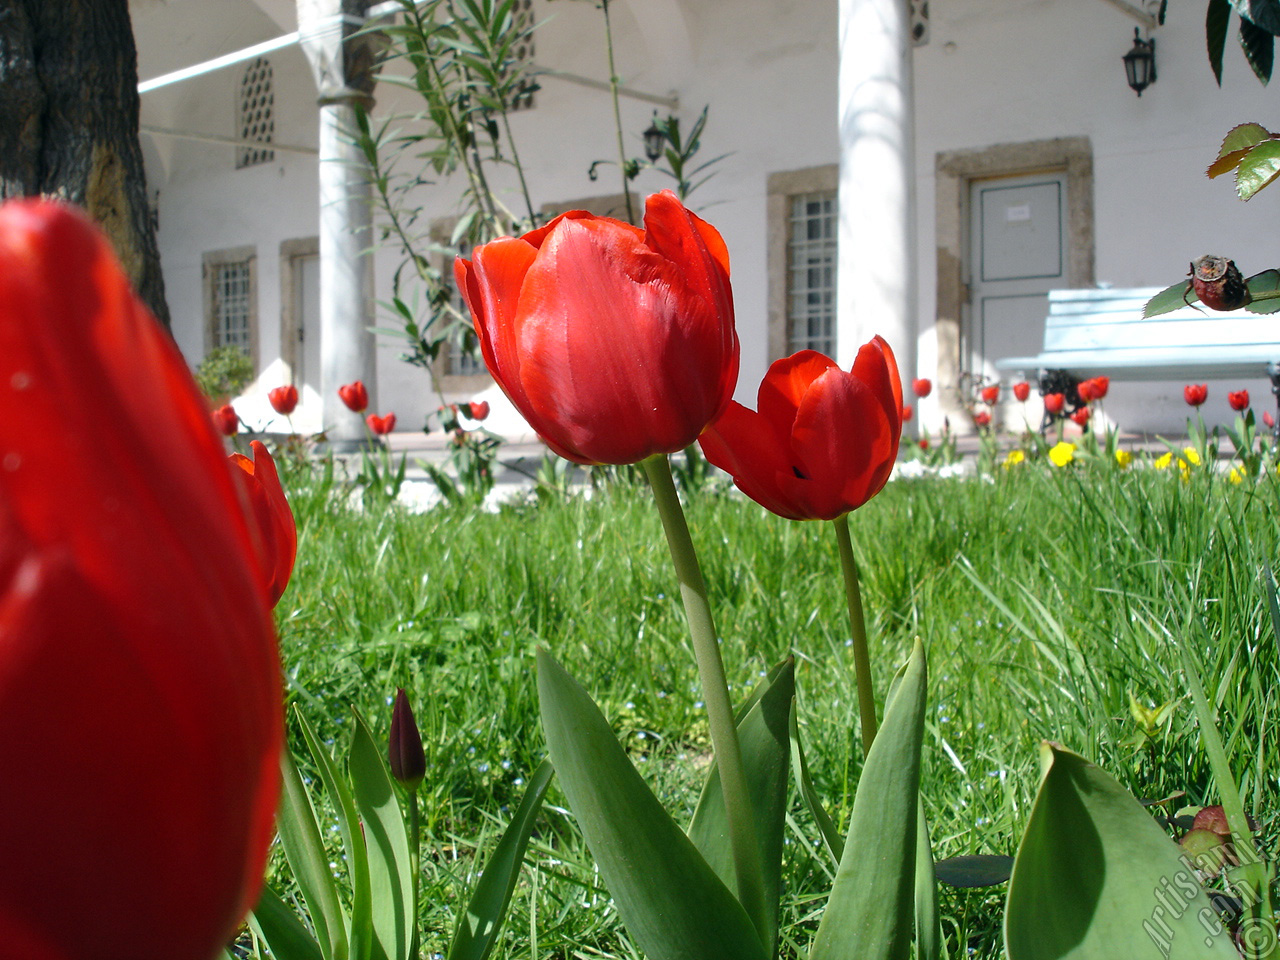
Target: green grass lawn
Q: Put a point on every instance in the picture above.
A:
(1046, 598)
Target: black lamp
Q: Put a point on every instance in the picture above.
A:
(654, 141)
(1140, 63)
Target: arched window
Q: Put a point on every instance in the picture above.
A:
(255, 116)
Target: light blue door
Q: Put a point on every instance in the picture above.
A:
(1018, 253)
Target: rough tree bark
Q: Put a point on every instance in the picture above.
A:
(69, 122)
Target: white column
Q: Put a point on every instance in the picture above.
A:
(346, 273)
(876, 270)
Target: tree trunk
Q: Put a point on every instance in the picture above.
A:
(69, 122)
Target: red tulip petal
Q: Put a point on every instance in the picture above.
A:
(749, 448)
(877, 367)
(787, 381)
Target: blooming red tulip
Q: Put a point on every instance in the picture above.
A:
(615, 343)
(991, 394)
(1053, 402)
(1021, 390)
(226, 420)
(982, 419)
(1268, 419)
(1080, 416)
(1239, 400)
(140, 689)
(822, 442)
(355, 396)
(277, 533)
(922, 387)
(284, 400)
(1095, 388)
(406, 757)
(381, 425)
(908, 412)
(479, 409)
(1195, 394)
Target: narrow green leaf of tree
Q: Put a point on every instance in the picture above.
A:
(1259, 49)
(360, 933)
(303, 848)
(670, 899)
(765, 754)
(390, 873)
(1239, 140)
(1170, 298)
(1096, 878)
(479, 926)
(1216, 19)
(831, 838)
(929, 942)
(1259, 167)
(871, 910)
(276, 924)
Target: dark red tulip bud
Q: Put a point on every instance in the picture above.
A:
(991, 394)
(355, 396)
(1218, 283)
(922, 387)
(1195, 393)
(1021, 391)
(1053, 403)
(284, 399)
(1239, 400)
(408, 762)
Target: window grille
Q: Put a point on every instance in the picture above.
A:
(522, 53)
(811, 273)
(255, 119)
(232, 306)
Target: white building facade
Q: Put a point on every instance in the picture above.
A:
(1031, 165)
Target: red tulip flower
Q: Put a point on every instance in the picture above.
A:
(991, 394)
(614, 343)
(908, 412)
(1053, 403)
(381, 425)
(822, 441)
(1268, 419)
(355, 396)
(478, 409)
(1195, 394)
(1021, 390)
(982, 419)
(1080, 416)
(922, 387)
(924, 444)
(226, 420)
(274, 525)
(1239, 400)
(140, 692)
(284, 400)
(406, 757)
(1095, 388)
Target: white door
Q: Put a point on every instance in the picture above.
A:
(1018, 253)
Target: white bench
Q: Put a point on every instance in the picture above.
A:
(1102, 332)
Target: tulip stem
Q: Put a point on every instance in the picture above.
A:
(715, 692)
(415, 864)
(858, 630)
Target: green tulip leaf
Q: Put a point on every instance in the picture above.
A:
(479, 926)
(1096, 878)
(974, 870)
(390, 870)
(1170, 298)
(871, 910)
(831, 838)
(284, 934)
(929, 942)
(303, 848)
(361, 930)
(667, 895)
(765, 749)
(1258, 168)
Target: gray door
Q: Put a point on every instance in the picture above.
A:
(1018, 253)
(307, 310)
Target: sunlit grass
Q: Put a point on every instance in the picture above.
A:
(1046, 598)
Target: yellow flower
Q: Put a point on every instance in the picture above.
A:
(1186, 470)
(1162, 462)
(1190, 455)
(1236, 475)
(1062, 453)
(1014, 458)
(1123, 458)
